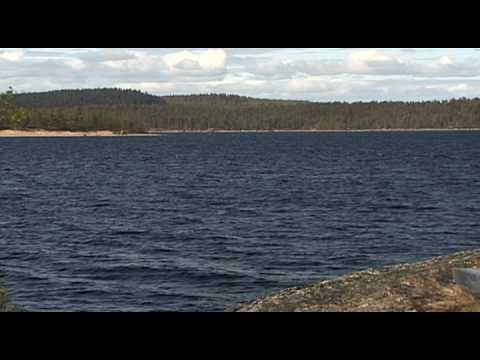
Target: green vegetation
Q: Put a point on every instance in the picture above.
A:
(5, 304)
(134, 111)
(3, 297)
(11, 116)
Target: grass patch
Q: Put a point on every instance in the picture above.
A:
(3, 299)
(5, 304)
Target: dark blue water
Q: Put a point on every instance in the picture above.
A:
(201, 222)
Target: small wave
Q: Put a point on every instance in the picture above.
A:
(129, 232)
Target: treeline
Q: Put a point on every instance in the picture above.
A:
(223, 100)
(225, 112)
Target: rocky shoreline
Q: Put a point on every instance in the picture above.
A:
(426, 286)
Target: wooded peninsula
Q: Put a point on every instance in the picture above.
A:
(132, 111)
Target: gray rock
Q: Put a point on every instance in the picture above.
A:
(469, 279)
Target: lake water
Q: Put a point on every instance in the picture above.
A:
(196, 222)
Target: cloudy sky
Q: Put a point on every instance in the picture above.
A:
(341, 74)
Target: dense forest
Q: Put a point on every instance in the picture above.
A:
(134, 111)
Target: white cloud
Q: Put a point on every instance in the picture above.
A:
(361, 60)
(445, 60)
(107, 54)
(12, 55)
(75, 64)
(206, 62)
(139, 62)
(372, 62)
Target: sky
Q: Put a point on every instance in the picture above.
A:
(324, 74)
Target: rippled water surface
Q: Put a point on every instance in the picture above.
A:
(197, 222)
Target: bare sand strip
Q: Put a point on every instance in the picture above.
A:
(47, 133)
(105, 133)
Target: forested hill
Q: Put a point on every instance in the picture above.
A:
(134, 111)
(85, 97)
(116, 97)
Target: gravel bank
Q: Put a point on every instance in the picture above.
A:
(420, 287)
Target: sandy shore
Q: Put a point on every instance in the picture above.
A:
(47, 133)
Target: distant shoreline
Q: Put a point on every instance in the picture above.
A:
(154, 132)
(107, 133)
